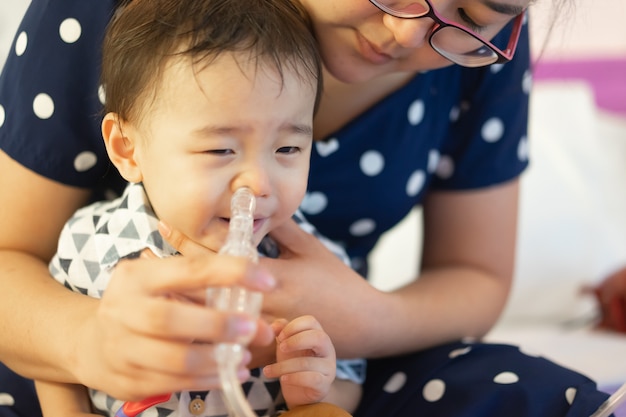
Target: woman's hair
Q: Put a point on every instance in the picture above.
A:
(144, 34)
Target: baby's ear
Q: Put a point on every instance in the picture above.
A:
(121, 148)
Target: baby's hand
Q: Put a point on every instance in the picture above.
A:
(306, 361)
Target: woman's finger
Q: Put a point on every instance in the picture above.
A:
(181, 242)
(182, 274)
(290, 238)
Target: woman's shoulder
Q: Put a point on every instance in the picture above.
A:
(49, 91)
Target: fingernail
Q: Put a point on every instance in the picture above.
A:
(244, 326)
(265, 280)
(243, 374)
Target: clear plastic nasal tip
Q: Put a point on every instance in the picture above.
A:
(239, 242)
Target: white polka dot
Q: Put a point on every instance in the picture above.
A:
(522, 149)
(395, 383)
(495, 68)
(506, 378)
(43, 106)
(570, 394)
(459, 352)
(415, 183)
(372, 163)
(492, 130)
(84, 161)
(455, 112)
(445, 167)
(6, 399)
(2, 115)
(70, 30)
(433, 160)
(527, 81)
(362, 227)
(314, 203)
(528, 352)
(416, 112)
(326, 148)
(102, 95)
(21, 43)
(434, 390)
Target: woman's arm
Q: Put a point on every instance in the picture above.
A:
(33, 307)
(63, 400)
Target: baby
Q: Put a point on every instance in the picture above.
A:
(203, 98)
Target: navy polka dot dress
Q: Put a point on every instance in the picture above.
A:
(449, 129)
(452, 129)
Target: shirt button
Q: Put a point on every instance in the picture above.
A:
(196, 406)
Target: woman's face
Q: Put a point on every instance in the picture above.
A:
(359, 42)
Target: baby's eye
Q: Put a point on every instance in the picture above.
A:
(288, 150)
(219, 151)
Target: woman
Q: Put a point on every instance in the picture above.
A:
(404, 120)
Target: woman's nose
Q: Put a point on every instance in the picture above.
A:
(409, 33)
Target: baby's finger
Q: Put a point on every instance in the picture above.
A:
(308, 343)
(278, 325)
(297, 325)
(316, 381)
(321, 366)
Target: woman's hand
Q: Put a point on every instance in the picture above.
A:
(310, 280)
(305, 361)
(142, 333)
(313, 280)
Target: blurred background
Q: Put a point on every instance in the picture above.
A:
(572, 229)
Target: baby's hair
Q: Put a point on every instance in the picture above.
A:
(144, 34)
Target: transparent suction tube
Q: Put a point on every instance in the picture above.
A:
(237, 299)
(611, 403)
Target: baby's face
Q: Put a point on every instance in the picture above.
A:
(214, 128)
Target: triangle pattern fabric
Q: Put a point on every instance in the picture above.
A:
(97, 237)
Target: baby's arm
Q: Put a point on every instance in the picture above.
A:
(306, 366)
(63, 400)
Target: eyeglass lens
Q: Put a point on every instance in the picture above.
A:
(453, 43)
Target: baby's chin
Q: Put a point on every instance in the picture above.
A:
(213, 244)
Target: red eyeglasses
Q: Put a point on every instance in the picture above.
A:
(453, 41)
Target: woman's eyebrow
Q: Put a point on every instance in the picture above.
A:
(504, 8)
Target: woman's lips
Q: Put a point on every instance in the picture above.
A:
(370, 52)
